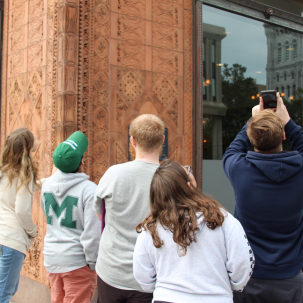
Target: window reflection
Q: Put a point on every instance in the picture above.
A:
(242, 57)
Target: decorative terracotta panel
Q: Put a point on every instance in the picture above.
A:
(17, 63)
(130, 84)
(165, 87)
(17, 40)
(131, 55)
(35, 56)
(188, 5)
(167, 37)
(188, 30)
(101, 60)
(165, 61)
(18, 16)
(102, 7)
(134, 8)
(188, 71)
(35, 31)
(131, 29)
(166, 12)
(36, 9)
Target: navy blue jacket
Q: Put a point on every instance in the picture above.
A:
(269, 202)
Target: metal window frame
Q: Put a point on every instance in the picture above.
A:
(247, 8)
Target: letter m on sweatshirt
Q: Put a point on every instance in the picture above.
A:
(68, 205)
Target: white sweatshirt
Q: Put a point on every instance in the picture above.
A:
(16, 223)
(73, 229)
(219, 262)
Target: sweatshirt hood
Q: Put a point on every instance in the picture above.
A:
(277, 167)
(61, 182)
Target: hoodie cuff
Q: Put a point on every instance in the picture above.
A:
(92, 267)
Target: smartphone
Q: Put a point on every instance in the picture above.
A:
(269, 98)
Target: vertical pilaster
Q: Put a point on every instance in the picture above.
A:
(66, 70)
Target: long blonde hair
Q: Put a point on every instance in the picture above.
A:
(15, 159)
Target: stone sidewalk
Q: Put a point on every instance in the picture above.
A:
(30, 291)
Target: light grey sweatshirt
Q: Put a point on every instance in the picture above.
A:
(16, 223)
(219, 262)
(73, 230)
(125, 188)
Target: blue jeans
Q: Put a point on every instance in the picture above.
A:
(11, 262)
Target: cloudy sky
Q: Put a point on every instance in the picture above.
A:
(244, 44)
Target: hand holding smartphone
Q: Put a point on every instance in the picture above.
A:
(269, 98)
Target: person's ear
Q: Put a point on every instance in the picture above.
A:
(82, 162)
(188, 183)
(283, 136)
(133, 142)
(163, 138)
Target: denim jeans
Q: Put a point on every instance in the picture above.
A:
(11, 262)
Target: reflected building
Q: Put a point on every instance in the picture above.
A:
(213, 108)
(284, 60)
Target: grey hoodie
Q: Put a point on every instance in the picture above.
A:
(73, 230)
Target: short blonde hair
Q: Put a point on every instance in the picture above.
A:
(265, 130)
(148, 131)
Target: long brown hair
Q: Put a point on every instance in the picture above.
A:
(174, 205)
(15, 159)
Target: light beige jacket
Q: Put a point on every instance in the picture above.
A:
(16, 224)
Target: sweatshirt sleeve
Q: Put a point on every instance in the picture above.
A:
(294, 134)
(240, 258)
(240, 146)
(103, 191)
(23, 210)
(90, 237)
(144, 270)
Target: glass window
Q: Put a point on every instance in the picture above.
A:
(279, 52)
(239, 66)
(213, 84)
(287, 49)
(295, 49)
(204, 73)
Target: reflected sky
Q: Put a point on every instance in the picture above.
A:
(244, 44)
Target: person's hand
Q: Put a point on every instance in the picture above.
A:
(256, 109)
(282, 110)
(192, 180)
(190, 175)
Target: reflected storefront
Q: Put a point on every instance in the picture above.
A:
(245, 51)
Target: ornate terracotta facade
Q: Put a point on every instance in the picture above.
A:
(93, 66)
